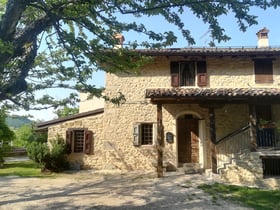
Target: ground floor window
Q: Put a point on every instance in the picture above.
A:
(271, 166)
(144, 134)
(79, 140)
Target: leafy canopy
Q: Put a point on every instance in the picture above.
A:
(76, 34)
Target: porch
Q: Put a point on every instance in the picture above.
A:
(229, 149)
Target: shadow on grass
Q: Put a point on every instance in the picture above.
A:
(256, 198)
(21, 164)
(23, 169)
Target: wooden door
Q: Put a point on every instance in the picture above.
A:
(188, 150)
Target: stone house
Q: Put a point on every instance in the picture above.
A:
(212, 110)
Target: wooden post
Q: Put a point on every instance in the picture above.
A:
(213, 139)
(159, 141)
(253, 127)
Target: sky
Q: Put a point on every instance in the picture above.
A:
(268, 18)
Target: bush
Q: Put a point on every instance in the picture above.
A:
(51, 158)
(38, 151)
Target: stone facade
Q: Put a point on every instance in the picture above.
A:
(92, 123)
(113, 130)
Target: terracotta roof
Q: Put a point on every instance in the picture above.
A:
(46, 124)
(213, 51)
(211, 92)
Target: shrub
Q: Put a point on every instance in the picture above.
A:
(37, 151)
(50, 158)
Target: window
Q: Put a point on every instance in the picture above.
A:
(263, 112)
(184, 73)
(79, 140)
(143, 134)
(271, 166)
(263, 70)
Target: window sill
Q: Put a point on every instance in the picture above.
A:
(151, 146)
(264, 82)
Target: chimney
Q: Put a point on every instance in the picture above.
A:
(120, 39)
(263, 38)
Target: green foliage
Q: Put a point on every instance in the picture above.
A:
(49, 157)
(37, 151)
(80, 37)
(258, 199)
(6, 135)
(26, 134)
(66, 111)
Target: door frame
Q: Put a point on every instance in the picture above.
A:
(201, 137)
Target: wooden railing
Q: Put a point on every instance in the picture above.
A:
(231, 145)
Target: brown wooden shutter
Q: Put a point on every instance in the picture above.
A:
(263, 71)
(174, 70)
(88, 141)
(201, 73)
(69, 137)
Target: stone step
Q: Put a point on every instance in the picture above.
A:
(192, 168)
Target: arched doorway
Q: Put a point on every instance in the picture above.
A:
(188, 139)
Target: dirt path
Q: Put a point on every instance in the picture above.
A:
(88, 190)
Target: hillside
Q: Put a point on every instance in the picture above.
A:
(16, 121)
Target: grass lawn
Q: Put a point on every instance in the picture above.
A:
(22, 169)
(258, 199)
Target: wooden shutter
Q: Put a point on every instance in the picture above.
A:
(137, 135)
(263, 71)
(201, 73)
(174, 70)
(69, 141)
(88, 141)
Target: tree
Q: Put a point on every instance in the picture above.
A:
(6, 135)
(78, 32)
(66, 111)
(26, 135)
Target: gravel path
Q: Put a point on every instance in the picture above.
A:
(89, 190)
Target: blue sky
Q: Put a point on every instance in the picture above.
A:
(269, 19)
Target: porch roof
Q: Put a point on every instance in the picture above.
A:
(224, 95)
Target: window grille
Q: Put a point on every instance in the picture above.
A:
(271, 166)
(147, 134)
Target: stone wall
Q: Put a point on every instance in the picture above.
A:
(92, 123)
(247, 170)
(113, 131)
(222, 72)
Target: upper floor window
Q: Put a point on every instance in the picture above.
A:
(263, 70)
(186, 73)
(79, 140)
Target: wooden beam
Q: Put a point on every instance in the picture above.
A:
(213, 139)
(160, 140)
(212, 105)
(253, 127)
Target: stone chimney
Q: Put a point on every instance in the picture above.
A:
(263, 38)
(120, 39)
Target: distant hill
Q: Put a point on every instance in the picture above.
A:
(16, 121)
